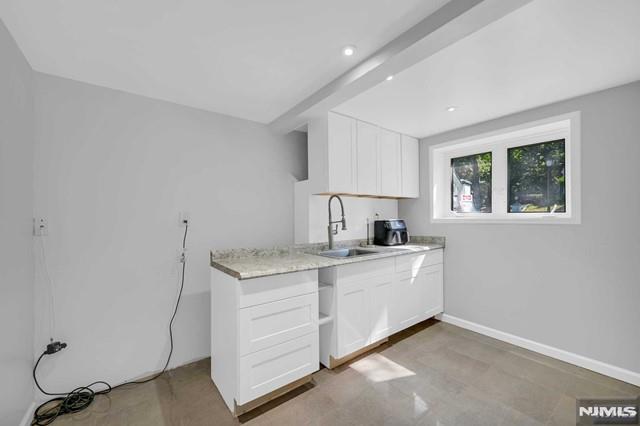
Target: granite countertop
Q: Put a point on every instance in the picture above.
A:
(253, 263)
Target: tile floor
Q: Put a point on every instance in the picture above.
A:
(431, 374)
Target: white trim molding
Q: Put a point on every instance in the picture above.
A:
(570, 357)
(565, 127)
(28, 415)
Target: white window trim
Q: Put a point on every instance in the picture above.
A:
(566, 126)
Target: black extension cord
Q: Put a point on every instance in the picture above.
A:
(81, 397)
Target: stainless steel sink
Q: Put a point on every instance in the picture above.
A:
(348, 252)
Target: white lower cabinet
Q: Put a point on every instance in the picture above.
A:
(268, 324)
(264, 334)
(418, 295)
(363, 314)
(272, 368)
(381, 322)
(353, 317)
(409, 298)
(373, 299)
(434, 290)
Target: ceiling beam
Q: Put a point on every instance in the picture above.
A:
(452, 22)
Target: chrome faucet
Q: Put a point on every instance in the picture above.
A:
(330, 228)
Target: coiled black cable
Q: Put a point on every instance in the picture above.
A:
(81, 397)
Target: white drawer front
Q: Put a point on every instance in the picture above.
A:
(365, 270)
(414, 262)
(267, 370)
(256, 291)
(269, 324)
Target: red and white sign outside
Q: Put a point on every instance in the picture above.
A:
(466, 202)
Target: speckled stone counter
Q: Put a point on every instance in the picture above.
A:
(253, 263)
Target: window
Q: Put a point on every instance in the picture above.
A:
(536, 178)
(471, 183)
(524, 174)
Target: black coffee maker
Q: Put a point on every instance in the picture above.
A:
(391, 232)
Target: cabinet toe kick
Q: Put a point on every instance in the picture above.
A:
(245, 408)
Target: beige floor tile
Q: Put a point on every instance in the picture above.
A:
(564, 377)
(519, 394)
(429, 384)
(478, 350)
(337, 418)
(344, 386)
(564, 414)
(478, 404)
(533, 371)
(366, 409)
(455, 365)
(302, 409)
(585, 388)
(624, 389)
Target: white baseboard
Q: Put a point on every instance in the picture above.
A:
(570, 357)
(28, 415)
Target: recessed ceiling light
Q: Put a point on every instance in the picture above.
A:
(389, 77)
(348, 50)
(451, 108)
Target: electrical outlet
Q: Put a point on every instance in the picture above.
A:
(40, 227)
(184, 218)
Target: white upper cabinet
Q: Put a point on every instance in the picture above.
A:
(389, 164)
(349, 156)
(410, 167)
(342, 174)
(367, 154)
(332, 155)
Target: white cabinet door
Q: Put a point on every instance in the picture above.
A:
(419, 292)
(433, 280)
(380, 307)
(389, 170)
(367, 155)
(410, 298)
(353, 317)
(410, 167)
(269, 369)
(341, 139)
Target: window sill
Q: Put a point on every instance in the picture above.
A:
(538, 220)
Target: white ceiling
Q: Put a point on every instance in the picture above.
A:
(252, 59)
(544, 52)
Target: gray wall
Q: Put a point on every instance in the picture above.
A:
(113, 171)
(16, 209)
(574, 287)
